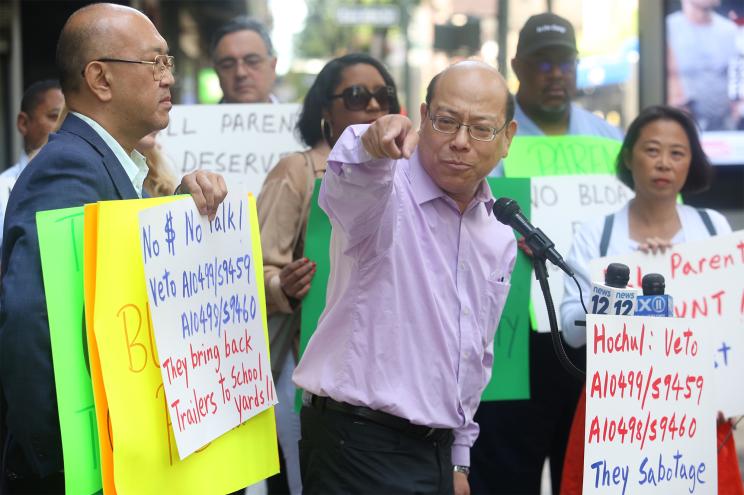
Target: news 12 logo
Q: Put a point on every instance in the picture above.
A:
(660, 305)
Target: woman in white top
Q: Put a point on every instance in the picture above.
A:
(661, 156)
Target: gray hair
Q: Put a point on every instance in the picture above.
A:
(242, 24)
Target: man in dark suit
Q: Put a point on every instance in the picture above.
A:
(116, 77)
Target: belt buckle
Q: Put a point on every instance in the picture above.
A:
(430, 432)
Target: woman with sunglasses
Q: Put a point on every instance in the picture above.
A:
(353, 89)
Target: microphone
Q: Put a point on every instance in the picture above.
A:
(654, 302)
(613, 297)
(507, 211)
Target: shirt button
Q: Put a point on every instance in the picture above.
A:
(462, 265)
(466, 311)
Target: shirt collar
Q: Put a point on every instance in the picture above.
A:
(22, 160)
(134, 164)
(425, 189)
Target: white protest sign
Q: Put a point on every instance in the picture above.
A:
(240, 141)
(560, 204)
(650, 423)
(202, 288)
(706, 281)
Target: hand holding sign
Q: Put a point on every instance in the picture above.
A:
(207, 188)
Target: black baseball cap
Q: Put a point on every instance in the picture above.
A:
(543, 30)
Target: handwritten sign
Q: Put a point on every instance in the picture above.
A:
(241, 142)
(650, 423)
(208, 323)
(559, 206)
(139, 416)
(61, 248)
(533, 156)
(706, 280)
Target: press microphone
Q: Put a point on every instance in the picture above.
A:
(507, 211)
(614, 297)
(654, 302)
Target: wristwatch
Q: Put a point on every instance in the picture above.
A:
(461, 469)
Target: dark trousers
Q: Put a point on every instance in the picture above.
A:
(340, 453)
(51, 485)
(517, 436)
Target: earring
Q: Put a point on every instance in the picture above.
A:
(327, 134)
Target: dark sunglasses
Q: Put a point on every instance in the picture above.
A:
(357, 97)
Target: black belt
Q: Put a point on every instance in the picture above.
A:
(393, 422)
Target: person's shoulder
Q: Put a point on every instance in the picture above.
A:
(722, 24)
(694, 214)
(291, 166)
(676, 18)
(594, 125)
(589, 233)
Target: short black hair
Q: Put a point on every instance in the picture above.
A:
(33, 95)
(431, 88)
(242, 24)
(700, 175)
(319, 95)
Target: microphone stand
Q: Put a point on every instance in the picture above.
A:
(541, 274)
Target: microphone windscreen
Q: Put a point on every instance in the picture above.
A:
(653, 284)
(504, 209)
(617, 275)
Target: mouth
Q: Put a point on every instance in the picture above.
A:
(457, 164)
(167, 101)
(661, 182)
(555, 92)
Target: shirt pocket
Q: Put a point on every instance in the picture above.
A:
(493, 301)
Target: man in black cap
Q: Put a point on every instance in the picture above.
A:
(517, 436)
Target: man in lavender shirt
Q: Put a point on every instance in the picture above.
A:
(420, 272)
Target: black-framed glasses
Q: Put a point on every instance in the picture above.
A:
(252, 61)
(357, 97)
(479, 132)
(159, 65)
(547, 66)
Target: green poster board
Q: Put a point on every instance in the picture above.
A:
(533, 156)
(510, 379)
(61, 246)
(317, 244)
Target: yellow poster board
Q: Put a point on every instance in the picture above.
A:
(145, 459)
(90, 241)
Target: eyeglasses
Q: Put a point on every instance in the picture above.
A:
(252, 61)
(479, 132)
(357, 97)
(159, 65)
(547, 66)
